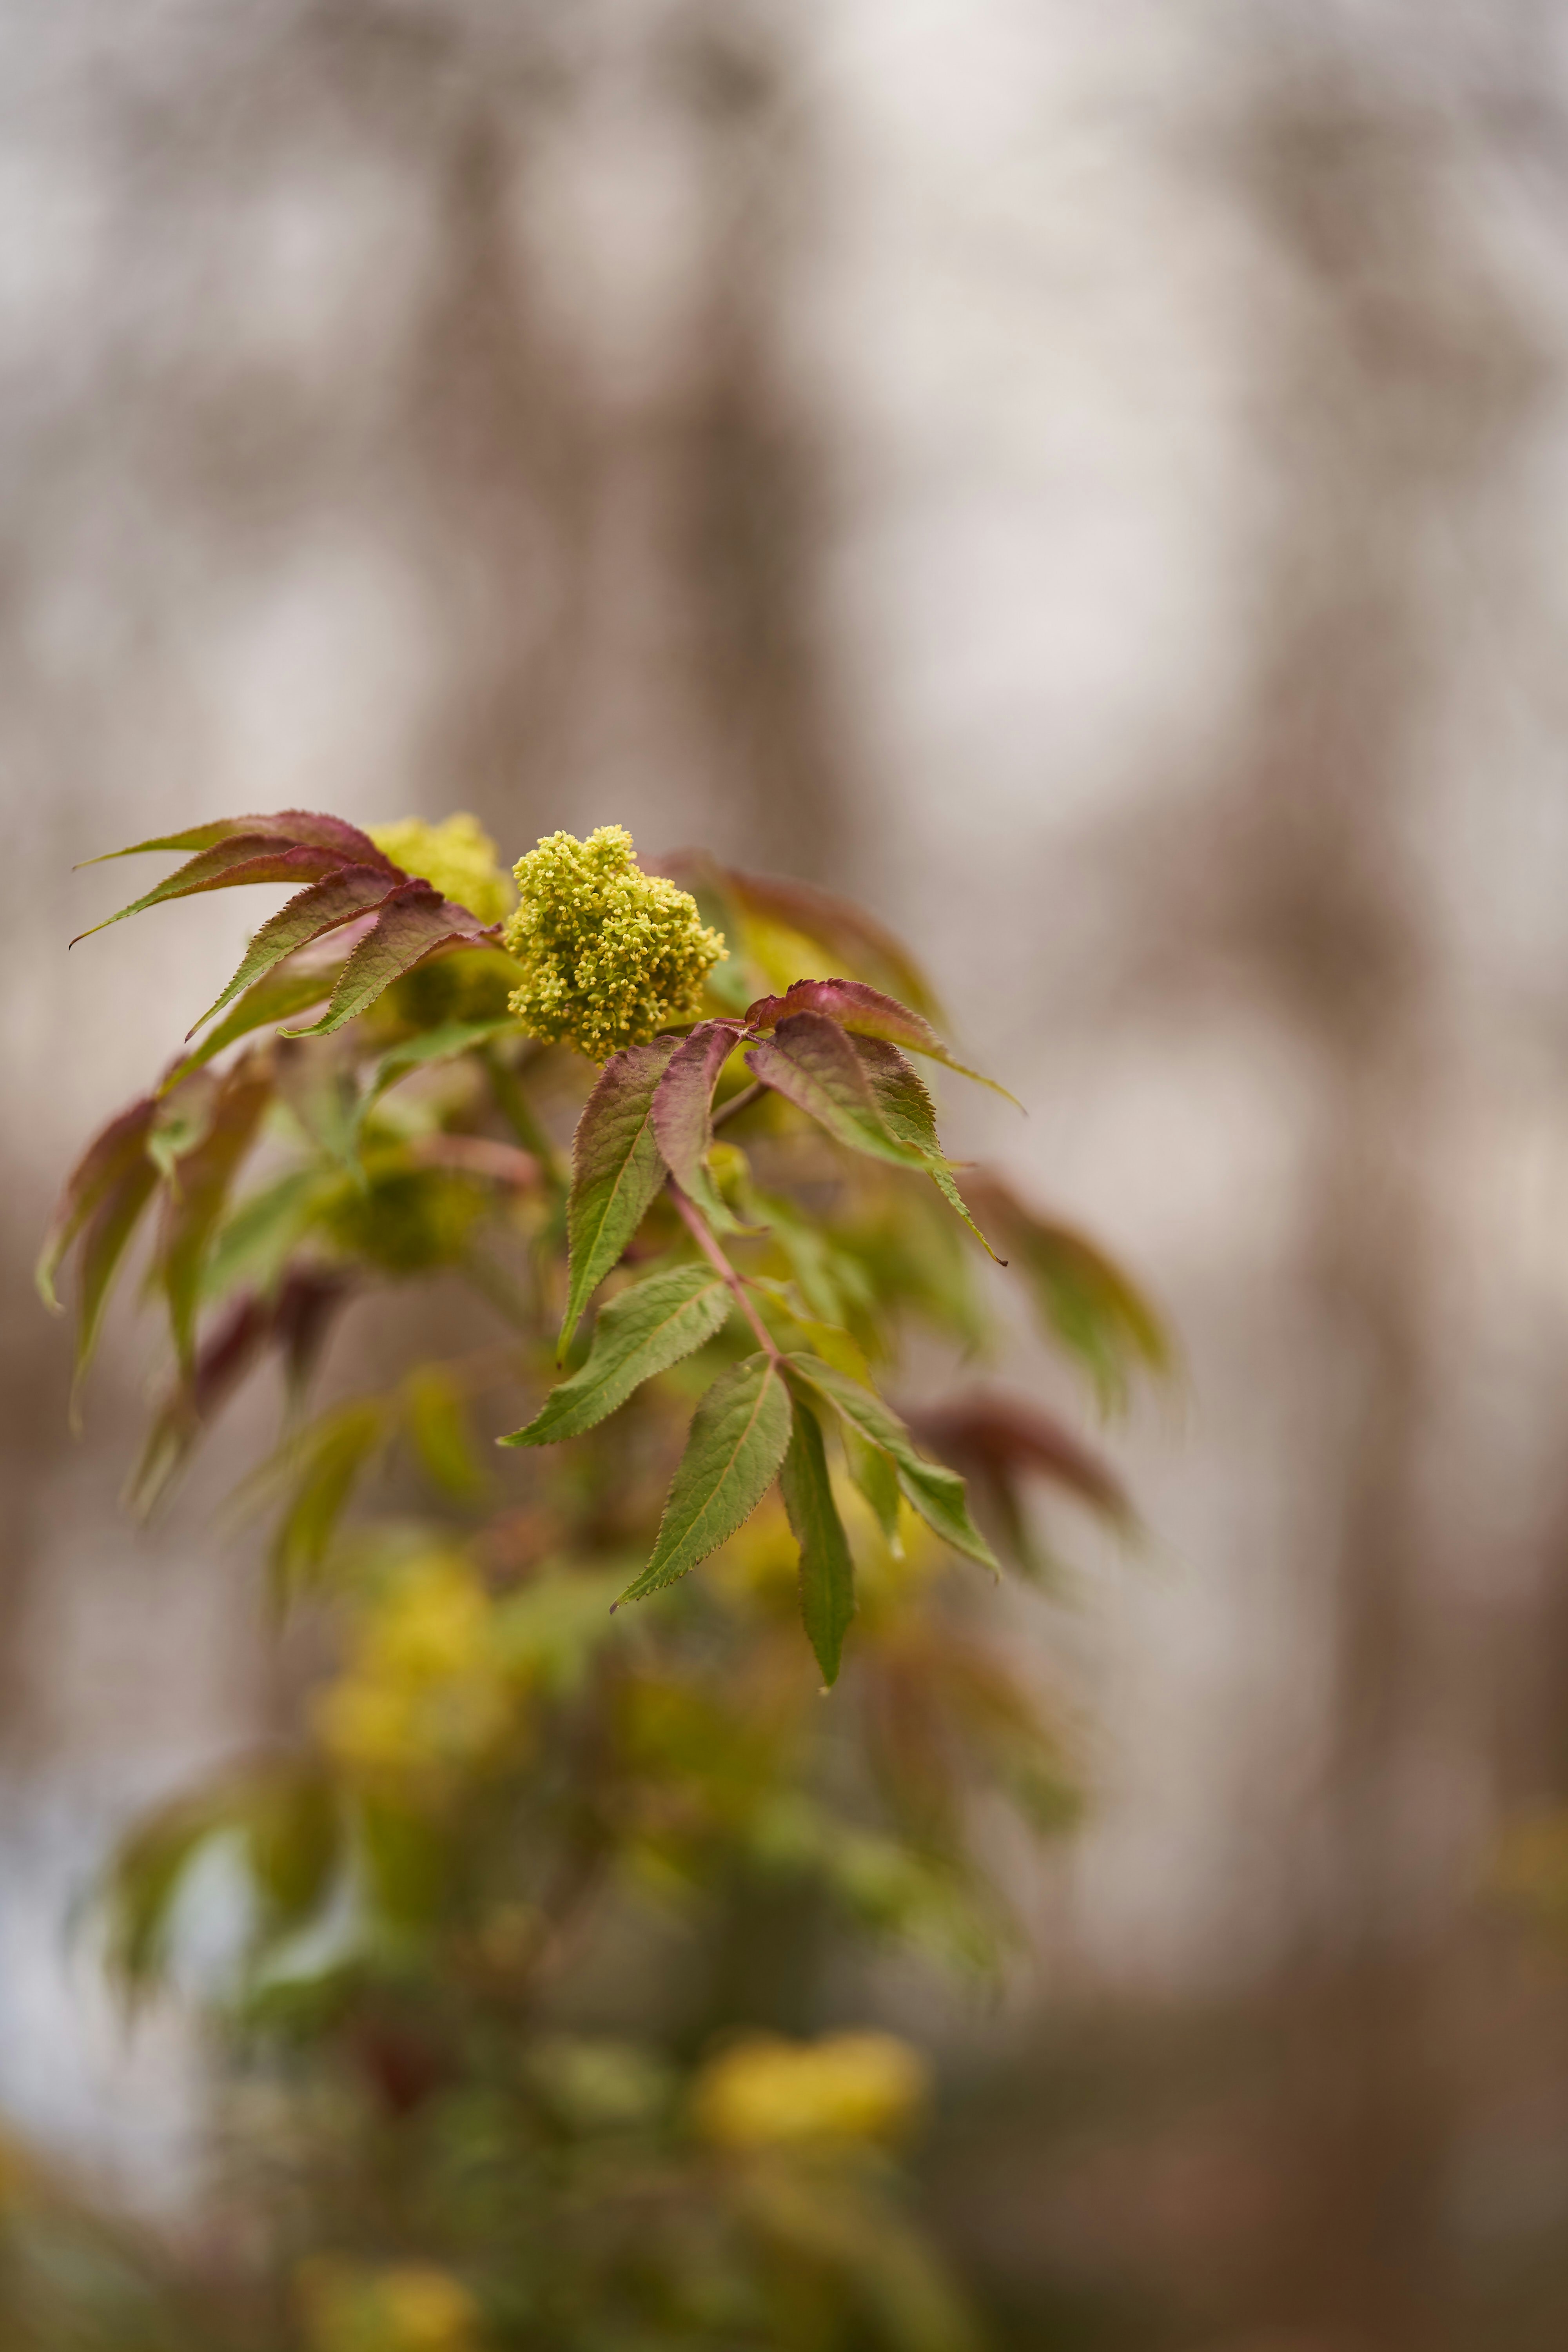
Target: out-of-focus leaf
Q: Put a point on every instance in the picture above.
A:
(874, 1473)
(829, 1340)
(325, 906)
(616, 1168)
(107, 1239)
(253, 1245)
(319, 1086)
(272, 999)
(325, 1463)
(144, 1884)
(810, 1062)
(205, 1172)
(113, 1152)
(432, 1045)
(683, 1114)
(845, 930)
(412, 923)
(1003, 1436)
(826, 1569)
(643, 1331)
(907, 1112)
(183, 1119)
(438, 1423)
(1083, 1298)
(739, 1432)
(865, 1013)
(937, 1493)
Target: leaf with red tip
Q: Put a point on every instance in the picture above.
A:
(245, 858)
(107, 1239)
(810, 1062)
(1001, 1436)
(845, 930)
(865, 1013)
(323, 906)
(306, 826)
(616, 1168)
(683, 1114)
(115, 1150)
(414, 922)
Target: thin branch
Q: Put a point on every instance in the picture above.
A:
(716, 1258)
(738, 1103)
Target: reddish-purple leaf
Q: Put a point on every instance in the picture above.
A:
(616, 1168)
(323, 906)
(833, 923)
(683, 1113)
(243, 858)
(906, 1107)
(307, 826)
(116, 1149)
(865, 1013)
(810, 1062)
(414, 922)
(106, 1238)
(1000, 1436)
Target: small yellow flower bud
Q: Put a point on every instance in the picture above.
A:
(611, 955)
(765, 2091)
(456, 857)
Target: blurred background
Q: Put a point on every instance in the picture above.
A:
(1088, 482)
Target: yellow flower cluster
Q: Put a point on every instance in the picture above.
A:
(426, 1688)
(458, 857)
(610, 955)
(410, 2308)
(765, 2091)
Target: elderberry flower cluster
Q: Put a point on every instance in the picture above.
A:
(610, 955)
(457, 858)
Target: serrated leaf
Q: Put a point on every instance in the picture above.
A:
(738, 1433)
(937, 1493)
(437, 1422)
(908, 1112)
(191, 1212)
(865, 1013)
(414, 922)
(304, 826)
(616, 1168)
(271, 999)
(683, 1114)
(310, 914)
(230, 865)
(810, 1062)
(826, 1569)
(115, 1150)
(643, 1331)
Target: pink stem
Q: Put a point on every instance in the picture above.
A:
(716, 1258)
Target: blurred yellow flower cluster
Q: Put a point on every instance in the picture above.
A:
(425, 1687)
(457, 856)
(410, 2308)
(764, 2092)
(611, 955)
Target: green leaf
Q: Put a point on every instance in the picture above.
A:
(437, 1424)
(865, 1013)
(185, 1118)
(616, 1168)
(329, 1458)
(643, 1331)
(442, 1045)
(351, 892)
(907, 1112)
(272, 999)
(412, 923)
(254, 1244)
(826, 1569)
(810, 1062)
(206, 1174)
(683, 1114)
(873, 1473)
(738, 1433)
(1083, 1298)
(243, 858)
(113, 1152)
(936, 1494)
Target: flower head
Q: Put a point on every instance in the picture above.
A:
(610, 955)
(456, 857)
(766, 2092)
